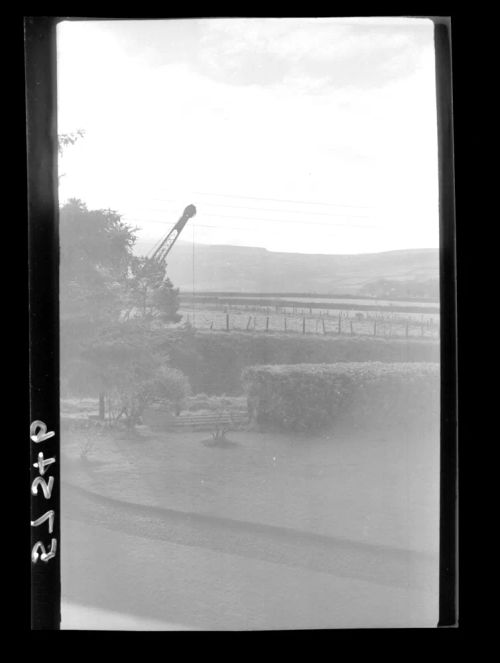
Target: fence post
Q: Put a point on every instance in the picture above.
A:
(304, 325)
(323, 322)
(227, 321)
(340, 323)
(352, 331)
(284, 320)
(248, 323)
(212, 325)
(267, 323)
(102, 406)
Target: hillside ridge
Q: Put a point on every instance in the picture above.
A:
(256, 269)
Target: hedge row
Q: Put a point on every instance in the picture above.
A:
(213, 361)
(311, 397)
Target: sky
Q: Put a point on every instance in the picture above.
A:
(296, 135)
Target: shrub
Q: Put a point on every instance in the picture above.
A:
(309, 397)
(171, 385)
(213, 361)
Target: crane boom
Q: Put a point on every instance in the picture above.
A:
(160, 253)
(163, 250)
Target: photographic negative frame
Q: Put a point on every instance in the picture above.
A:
(41, 78)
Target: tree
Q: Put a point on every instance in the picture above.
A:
(146, 276)
(129, 363)
(99, 236)
(166, 301)
(95, 255)
(64, 140)
(133, 396)
(152, 293)
(100, 280)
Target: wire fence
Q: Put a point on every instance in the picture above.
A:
(323, 323)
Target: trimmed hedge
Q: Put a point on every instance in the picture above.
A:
(311, 397)
(213, 361)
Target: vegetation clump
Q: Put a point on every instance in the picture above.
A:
(114, 306)
(311, 397)
(214, 361)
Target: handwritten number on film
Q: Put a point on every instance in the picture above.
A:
(43, 486)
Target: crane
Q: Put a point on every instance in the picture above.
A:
(160, 253)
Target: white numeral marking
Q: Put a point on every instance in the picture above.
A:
(47, 489)
(45, 556)
(46, 516)
(42, 463)
(38, 432)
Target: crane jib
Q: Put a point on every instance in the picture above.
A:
(162, 251)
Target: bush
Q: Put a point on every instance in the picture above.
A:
(213, 361)
(167, 385)
(311, 397)
(171, 385)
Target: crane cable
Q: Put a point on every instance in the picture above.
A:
(193, 278)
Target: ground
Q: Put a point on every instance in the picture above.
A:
(272, 532)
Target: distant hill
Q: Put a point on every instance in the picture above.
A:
(253, 269)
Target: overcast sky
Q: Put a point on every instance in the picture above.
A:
(307, 135)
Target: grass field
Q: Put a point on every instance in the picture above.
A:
(378, 487)
(351, 539)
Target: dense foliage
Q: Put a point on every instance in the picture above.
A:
(103, 348)
(100, 277)
(128, 362)
(308, 397)
(151, 293)
(95, 256)
(213, 361)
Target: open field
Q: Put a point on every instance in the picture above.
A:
(350, 322)
(314, 314)
(374, 488)
(327, 299)
(314, 301)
